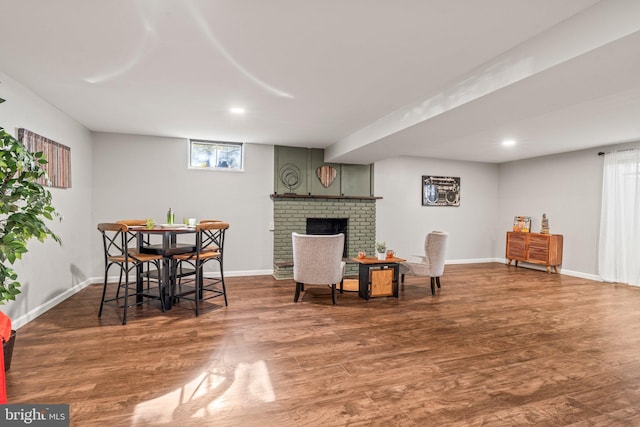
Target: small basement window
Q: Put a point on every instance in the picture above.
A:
(217, 155)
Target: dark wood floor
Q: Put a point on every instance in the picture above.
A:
(497, 346)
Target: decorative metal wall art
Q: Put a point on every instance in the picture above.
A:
(440, 191)
(290, 176)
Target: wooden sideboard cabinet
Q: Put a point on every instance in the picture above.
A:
(535, 248)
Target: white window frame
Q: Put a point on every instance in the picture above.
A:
(219, 153)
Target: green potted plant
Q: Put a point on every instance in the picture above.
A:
(381, 248)
(25, 204)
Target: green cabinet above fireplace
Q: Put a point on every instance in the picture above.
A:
(303, 171)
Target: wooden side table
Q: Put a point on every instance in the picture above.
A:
(378, 278)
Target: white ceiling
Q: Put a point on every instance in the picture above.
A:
(365, 79)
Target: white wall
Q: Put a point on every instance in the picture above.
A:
(403, 222)
(567, 187)
(137, 177)
(49, 273)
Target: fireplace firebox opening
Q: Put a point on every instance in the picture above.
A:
(330, 226)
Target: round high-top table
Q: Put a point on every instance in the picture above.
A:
(167, 249)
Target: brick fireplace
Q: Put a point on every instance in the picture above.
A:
(290, 214)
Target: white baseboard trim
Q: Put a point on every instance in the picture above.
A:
(113, 279)
(248, 273)
(28, 317)
(581, 275)
(472, 261)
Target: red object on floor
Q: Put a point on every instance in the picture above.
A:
(5, 334)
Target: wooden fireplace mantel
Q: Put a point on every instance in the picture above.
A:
(310, 196)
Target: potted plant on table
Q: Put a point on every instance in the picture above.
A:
(381, 248)
(24, 206)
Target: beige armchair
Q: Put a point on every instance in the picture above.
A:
(432, 263)
(317, 260)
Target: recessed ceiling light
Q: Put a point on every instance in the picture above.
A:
(509, 142)
(237, 110)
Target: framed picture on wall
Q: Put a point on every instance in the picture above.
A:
(522, 223)
(440, 190)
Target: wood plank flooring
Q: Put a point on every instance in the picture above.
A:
(497, 346)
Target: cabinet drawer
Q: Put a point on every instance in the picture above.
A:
(516, 250)
(517, 238)
(517, 246)
(540, 255)
(538, 241)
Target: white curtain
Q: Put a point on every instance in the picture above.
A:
(619, 248)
